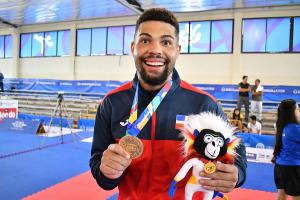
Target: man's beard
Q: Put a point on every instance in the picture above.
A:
(156, 80)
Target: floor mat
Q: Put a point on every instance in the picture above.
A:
(85, 187)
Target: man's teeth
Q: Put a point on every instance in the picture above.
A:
(154, 63)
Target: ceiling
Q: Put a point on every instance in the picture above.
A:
(15, 13)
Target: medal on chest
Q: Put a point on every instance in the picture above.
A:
(130, 142)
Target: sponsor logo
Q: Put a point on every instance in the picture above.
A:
(229, 89)
(65, 83)
(295, 91)
(8, 113)
(124, 123)
(274, 90)
(18, 125)
(207, 88)
(89, 84)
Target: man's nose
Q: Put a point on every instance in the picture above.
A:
(155, 47)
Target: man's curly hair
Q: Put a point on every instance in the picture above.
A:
(158, 14)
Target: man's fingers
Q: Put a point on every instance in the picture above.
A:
(223, 180)
(219, 189)
(226, 168)
(219, 176)
(120, 159)
(217, 184)
(119, 150)
(116, 165)
(107, 169)
(110, 172)
(114, 161)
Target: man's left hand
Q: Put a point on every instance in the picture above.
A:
(223, 180)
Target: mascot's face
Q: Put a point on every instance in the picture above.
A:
(210, 144)
(214, 145)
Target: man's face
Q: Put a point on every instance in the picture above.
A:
(252, 121)
(256, 82)
(155, 51)
(245, 80)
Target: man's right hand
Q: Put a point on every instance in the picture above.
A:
(114, 161)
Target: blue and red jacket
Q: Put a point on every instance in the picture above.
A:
(149, 176)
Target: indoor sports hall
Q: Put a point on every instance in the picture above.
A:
(60, 58)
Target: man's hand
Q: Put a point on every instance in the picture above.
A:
(114, 161)
(223, 180)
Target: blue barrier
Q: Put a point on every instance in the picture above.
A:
(274, 93)
(252, 140)
(86, 123)
(11, 125)
(45, 120)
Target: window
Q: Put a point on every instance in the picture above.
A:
(184, 31)
(194, 37)
(278, 34)
(296, 34)
(221, 36)
(128, 38)
(115, 40)
(25, 45)
(63, 43)
(6, 44)
(83, 47)
(254, 35)
(99, 41)
(50, 45)
(1, 46)
(200, 37)
(37, 44)
(271, 35)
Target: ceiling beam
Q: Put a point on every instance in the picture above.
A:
(8, 23)
(132, 5)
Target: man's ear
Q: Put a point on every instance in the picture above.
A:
(132, 47)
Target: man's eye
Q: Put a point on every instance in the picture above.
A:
(145, 41)
(166, 43)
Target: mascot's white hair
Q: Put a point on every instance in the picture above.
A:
(208, 120)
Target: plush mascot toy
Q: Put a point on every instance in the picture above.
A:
(208, 139)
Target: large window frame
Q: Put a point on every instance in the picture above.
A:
(291, 36)
(44, 47)
(210, 37)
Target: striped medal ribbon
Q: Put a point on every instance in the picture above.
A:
(130, 142)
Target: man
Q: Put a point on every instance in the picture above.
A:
(1, 82)
(254, 126)
(244, 89)
(155, 50)
(256, 103)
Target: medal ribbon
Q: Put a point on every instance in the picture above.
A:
(135, 124)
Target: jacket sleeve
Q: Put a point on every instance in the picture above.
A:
(241, 160)
(101, 140)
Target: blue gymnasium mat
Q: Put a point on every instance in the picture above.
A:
(26, 173)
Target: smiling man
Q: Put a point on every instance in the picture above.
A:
(136, 146)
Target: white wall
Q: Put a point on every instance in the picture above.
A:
(272, 69)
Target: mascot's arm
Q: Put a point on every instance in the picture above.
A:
(181, 174)
(185, 168)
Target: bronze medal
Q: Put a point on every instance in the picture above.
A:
(210, 167)
(132, 145)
